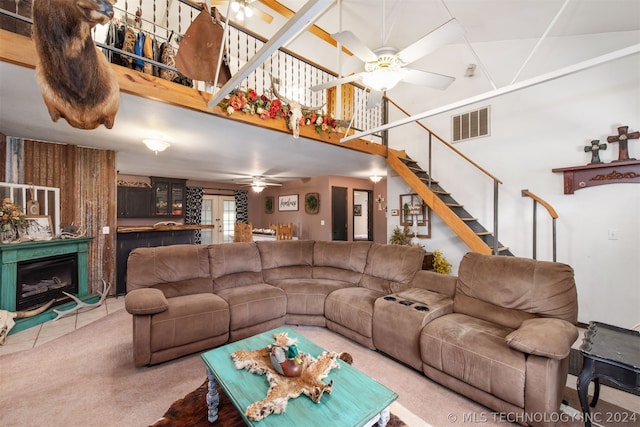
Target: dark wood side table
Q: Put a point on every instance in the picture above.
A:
(609, 352)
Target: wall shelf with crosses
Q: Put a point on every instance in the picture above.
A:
(625, 169)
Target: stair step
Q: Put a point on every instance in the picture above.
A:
(433, 181)
(416, 169)
(454, 205)
(483, 233)
(441, 193)
(469, 219)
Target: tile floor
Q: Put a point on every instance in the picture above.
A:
(52, 329)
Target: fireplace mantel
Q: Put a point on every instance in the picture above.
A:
(13, 253)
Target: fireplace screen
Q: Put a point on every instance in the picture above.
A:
(42, 280)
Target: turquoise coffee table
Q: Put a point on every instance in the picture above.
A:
(356, 399)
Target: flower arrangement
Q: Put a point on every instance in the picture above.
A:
(440, 263)
(249, 102)
(11, 216)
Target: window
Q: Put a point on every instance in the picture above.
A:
(470, 125)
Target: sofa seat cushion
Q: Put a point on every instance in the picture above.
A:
(352, 308)
(253, 304)
(189, 318)
(307, 296)
(474, 351)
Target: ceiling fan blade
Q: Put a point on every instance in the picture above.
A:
(425, 78)
(444, 34)
(355, 45)
(375, 97)
(336, 82)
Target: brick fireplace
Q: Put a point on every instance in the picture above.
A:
(33, 273)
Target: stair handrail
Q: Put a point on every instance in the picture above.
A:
(448, 145)
(495, 180)
(552, 213)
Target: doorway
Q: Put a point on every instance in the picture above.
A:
(338, 213)
(219, 211)
(362, 215)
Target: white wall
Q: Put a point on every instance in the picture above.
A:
(532, 132)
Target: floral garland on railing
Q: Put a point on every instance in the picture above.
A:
(248, 102)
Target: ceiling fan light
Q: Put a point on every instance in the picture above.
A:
(248, 12)
(382, 79)
(156, 145)
(235, 6)
(375, 178)
(257, 187)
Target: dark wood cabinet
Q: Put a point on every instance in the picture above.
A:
(168, 197)
(134, 202)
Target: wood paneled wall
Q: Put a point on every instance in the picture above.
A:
(87, 181)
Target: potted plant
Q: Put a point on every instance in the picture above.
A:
(400, 236)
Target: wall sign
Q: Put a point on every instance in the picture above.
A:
(288, 203)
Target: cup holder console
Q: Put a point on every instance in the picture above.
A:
(406, 303)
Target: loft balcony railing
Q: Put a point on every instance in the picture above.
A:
(166, 22)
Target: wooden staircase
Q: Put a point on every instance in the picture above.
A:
(475, 236)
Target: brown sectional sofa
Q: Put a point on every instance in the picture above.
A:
(500, 333)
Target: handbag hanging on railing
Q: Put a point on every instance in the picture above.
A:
(197, 57)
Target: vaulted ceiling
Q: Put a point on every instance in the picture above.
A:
(500, 35)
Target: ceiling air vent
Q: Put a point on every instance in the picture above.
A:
(472, 124)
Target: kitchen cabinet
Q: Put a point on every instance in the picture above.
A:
(168, 197)
(134, 202)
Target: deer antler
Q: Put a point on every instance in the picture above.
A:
(81, 305)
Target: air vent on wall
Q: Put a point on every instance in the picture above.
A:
(470, 125)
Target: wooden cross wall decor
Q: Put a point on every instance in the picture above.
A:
(595, 148)
(623, 138)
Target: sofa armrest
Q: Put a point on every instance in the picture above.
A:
(544, 337)
(436, 282)
(145, 301)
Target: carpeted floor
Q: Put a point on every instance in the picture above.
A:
(87, 378)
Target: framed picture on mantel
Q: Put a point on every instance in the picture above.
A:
(38, 228)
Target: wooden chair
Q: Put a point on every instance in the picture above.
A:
(284, 232)
(242, 232)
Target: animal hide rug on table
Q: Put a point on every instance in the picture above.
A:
(282, 388)
(75, 79)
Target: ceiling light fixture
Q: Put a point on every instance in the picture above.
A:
(258, 187)
(385, 72)
(156, 145)
(241, 8)
(375, 178)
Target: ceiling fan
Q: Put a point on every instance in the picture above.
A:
(386, 66)
(259, 183)
(242, 9)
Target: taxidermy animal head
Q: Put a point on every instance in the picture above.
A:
(7, 319)
(75, 79)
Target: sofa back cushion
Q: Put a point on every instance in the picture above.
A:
(168, 268)
(286, 259)
(234, 264)
(390, 268)
(343, 261)
(508, 290)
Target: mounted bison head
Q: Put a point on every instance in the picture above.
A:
(75, 79)
(7, 319)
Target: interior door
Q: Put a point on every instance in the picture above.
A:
(362, 215)
(219, 211)
(338, 213)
